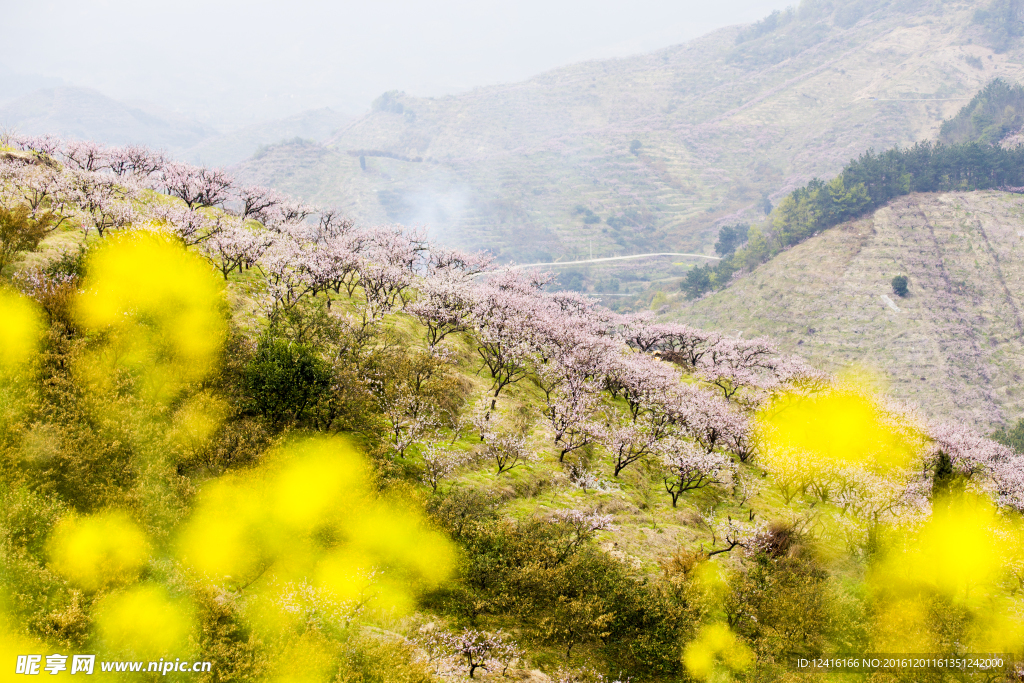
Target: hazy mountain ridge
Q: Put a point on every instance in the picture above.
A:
(955, 345)
(234, 146)
(719, 124)
(14, 84)
(86, 114)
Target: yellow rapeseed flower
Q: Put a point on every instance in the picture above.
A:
(98, 550)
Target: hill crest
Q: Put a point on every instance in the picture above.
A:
(954, 346)
(661, 148)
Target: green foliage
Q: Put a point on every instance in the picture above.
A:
(40, 600)
(372, 659)
(589, 217)
(808, 210)
(284, 380)
(1003, 21)
(946, 480)
(76, 447)
(70, 264)
(785, 34)
(899, 285)
(412, 389)
(769, 24)
(697, 281)
(628, 219)
(635, 146)
(224, 638)
(793, 23)
(1012, 437)
(571, 279)
(88, 444)
(994, 113)
(974, 62)
(546, 576)
(787, 607)
(731, 237)
(702, 279)
(873, 180)
(389, 102)
(21, 231)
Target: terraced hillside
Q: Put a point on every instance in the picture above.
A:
(654, 151)
(954, 345)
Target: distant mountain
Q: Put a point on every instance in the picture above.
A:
(236, 146)
(89, 115)
(954, 345)
(654, 152)
(14, 84)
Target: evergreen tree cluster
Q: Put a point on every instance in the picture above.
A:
(1003, 21)
(1012, 436)
(873, 180)
(994, 113)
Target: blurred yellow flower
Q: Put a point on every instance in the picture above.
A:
(98, 550)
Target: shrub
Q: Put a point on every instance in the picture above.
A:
(785, 607)
(284, 380)
(20, 231)
(731, 237)
(899, 285)
(996, 111)
(389, 102)
(697, 281)
(1012, 437)
(1002, 20)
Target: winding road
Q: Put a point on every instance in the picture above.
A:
(610, 258)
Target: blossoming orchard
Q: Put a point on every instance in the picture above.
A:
(442, 372)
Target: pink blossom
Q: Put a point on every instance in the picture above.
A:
(687, 466)
(85, 156)
(135, 161)
(194, 185)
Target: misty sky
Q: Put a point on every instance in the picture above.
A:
(229, 62)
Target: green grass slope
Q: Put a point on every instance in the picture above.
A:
(719, 123)
(954, 345)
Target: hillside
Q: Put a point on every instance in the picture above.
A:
(14, 84)
(658, 148)
(282, 449)
(86, 114)
(238, 145)
(953, 346)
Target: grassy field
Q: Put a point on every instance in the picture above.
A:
(953, 346)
